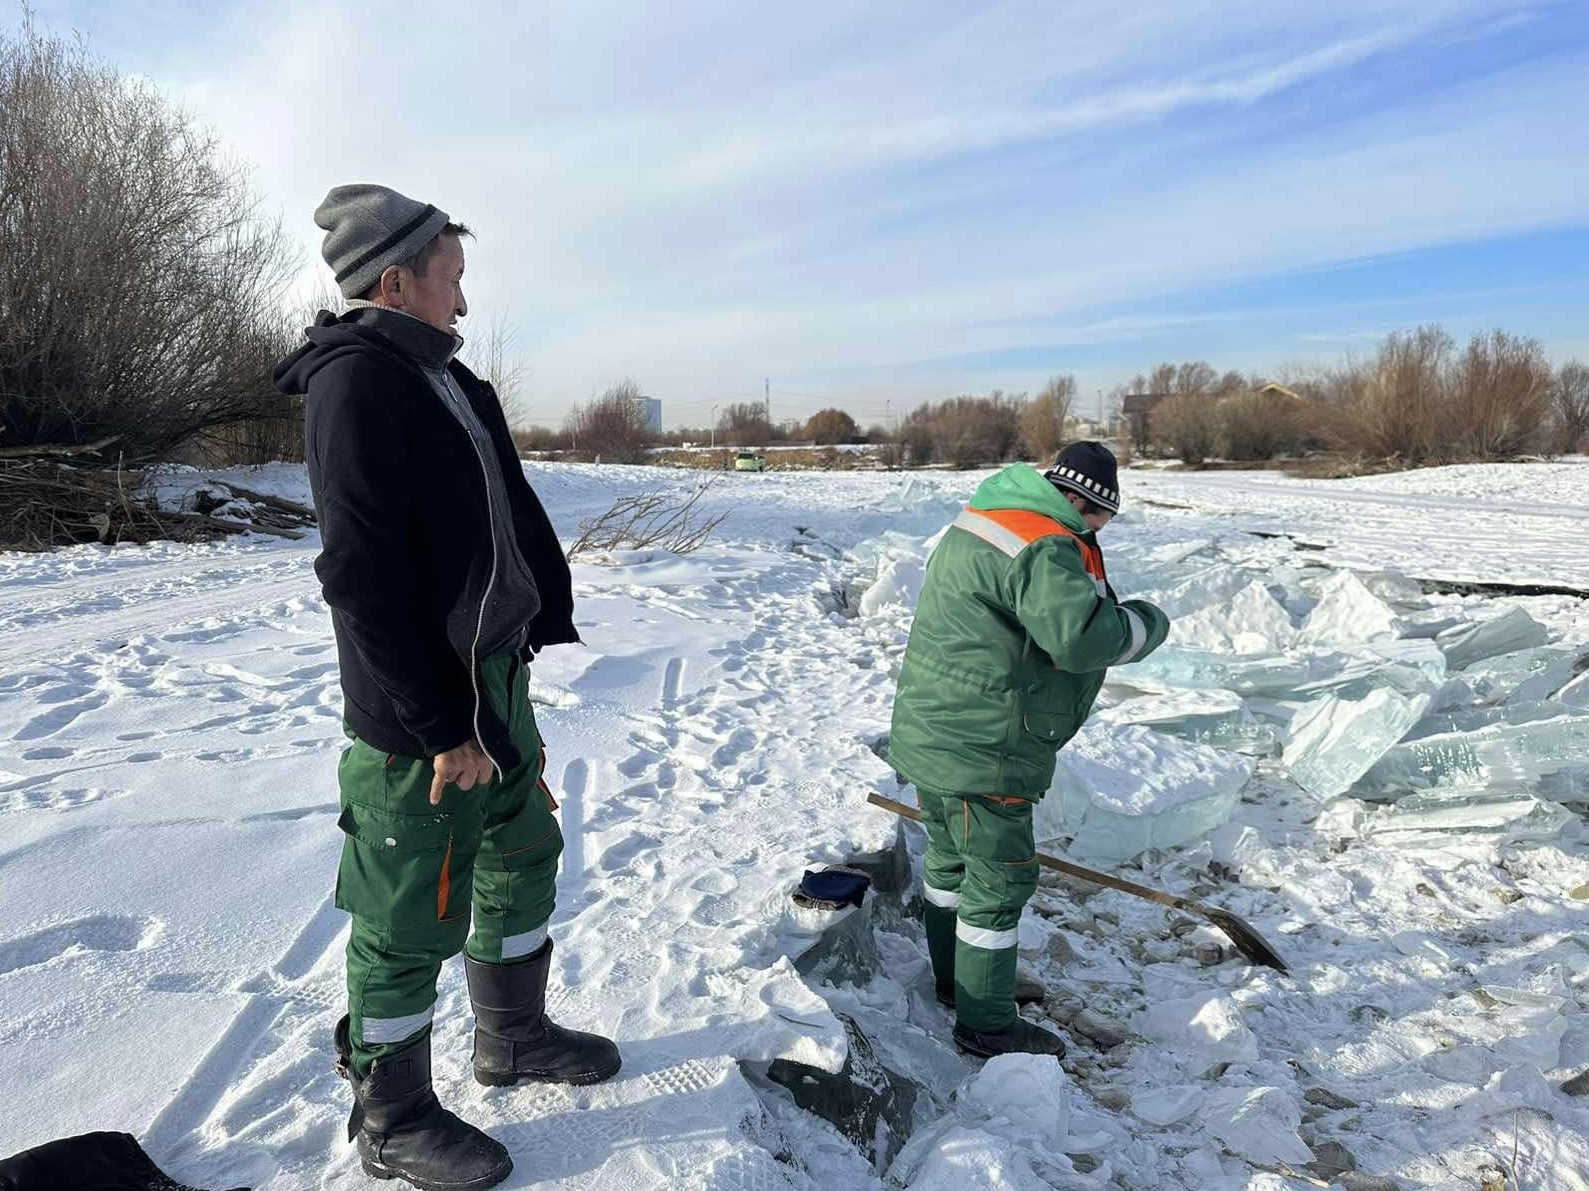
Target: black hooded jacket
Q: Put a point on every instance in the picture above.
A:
(407, 562)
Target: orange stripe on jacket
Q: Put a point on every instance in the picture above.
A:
(1030, 526)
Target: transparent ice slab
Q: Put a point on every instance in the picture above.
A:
(1575, 694)
(1217, 718)
(1420, 818)
(1509, 632)
(1251, 621)
(1199, 669)
(1334, 741)
(1121, 789)
(1348, 614)
(1469, 718)
(1409, 667)
(1527, 676)
(1503, 756)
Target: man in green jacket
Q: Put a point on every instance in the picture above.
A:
(1015, 628)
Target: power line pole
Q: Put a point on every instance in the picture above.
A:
(766, 399)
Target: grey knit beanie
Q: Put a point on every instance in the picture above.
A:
(369, 227)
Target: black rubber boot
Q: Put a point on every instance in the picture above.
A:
(404, 1133)
(1029, 990)
(514, 1040)
(1021, 1038)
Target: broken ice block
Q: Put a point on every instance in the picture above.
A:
(1252, 621)
(1503, 756)
(1509, 632)
(1431, 624)
(1119, 790)
(899, 582)
(1335, 741)
(1407, 667)
(1527, 676)
(1217, 718)
(1575, 694)
(1468, 718)
(1348, 614)
(1419, 818)
(1253, 674)
(1212, 585)
(1395, 588)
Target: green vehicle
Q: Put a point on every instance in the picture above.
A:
(750, 461)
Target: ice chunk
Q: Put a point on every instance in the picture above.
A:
(1408, 667)
(1471, 719)
(1031, 1094)
(1575, 694)
(1421, 819)
(1335, 741)
(1395, 588)
(1432, 624)
(1500, 757)
(1255, 674)
(1259, 1124)
(1252, 621)
(1123, 789)
(1527, 676)
(1217, 718)
(1163, 1106)
(1349, 614)
(1509, 632)
(898, 583)
(1212, 585)
(1208, 1023)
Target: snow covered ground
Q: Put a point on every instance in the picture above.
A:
(170, 960)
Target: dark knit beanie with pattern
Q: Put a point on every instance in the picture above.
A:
(370, 227)
(1087, 469)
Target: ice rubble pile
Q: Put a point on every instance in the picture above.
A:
(1457, 715)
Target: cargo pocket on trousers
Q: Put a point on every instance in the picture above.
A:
(402, 873)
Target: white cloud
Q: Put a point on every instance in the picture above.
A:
(704, 193)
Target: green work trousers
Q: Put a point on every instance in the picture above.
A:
(981, 870)
(413, 875)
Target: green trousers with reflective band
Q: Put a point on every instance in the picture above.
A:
(981, 870)
(414, 876)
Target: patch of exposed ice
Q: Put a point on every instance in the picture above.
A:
(1215, 717)
(1208, 1023)
(1251, 621)
(1509, 632)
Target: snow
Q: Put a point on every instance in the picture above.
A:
(170, 959)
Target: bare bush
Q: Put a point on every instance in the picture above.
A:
(1570, 406)
(1391, 405)
(611, 428)
(1258, 425)
(496, 361)
(828, 427)
(968, 431)
(139, 288)
(915, 438)
(657, 518)
(1498, 398)
(1187, 424)
(1042, 422)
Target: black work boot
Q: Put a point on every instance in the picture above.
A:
(404, 1133)
(515, 1041)
(1021, 1038)
(1029, 990)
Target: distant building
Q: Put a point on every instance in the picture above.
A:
(653, 411)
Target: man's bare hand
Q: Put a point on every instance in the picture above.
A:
(463, 767)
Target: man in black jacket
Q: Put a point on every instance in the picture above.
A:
(444, 577)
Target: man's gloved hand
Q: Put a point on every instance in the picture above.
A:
(463, 767)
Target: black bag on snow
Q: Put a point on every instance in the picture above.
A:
(92, 1162)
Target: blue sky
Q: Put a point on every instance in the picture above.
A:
(876, 204)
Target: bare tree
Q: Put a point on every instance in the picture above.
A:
(1188, 424)
(1570, 400)
(140, 289)
(1391, 405)
(612, 427)
(745, 424)
(829, 426)
(1499, 397)
(1042, 422)
(494, 360)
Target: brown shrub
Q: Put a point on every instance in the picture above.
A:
(1188, 426)
(611, 428)
(1255, 425)
(1042, 422)
(1498, 397)
(827, 427)
(1391, 405)
(1570, 407)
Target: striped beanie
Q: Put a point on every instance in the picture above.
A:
(370, 227)
(1087, 469)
